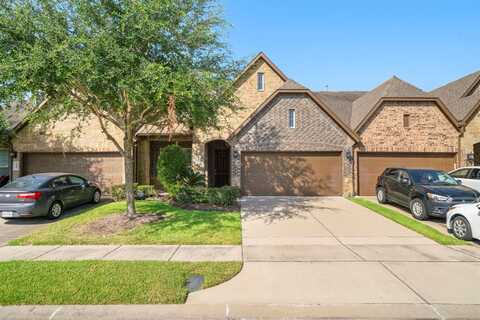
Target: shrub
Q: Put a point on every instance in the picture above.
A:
(118, 191)
(148, 190)
(172, 166)
(224, 196)
(193, 179)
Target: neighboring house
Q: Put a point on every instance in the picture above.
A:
(284, 139)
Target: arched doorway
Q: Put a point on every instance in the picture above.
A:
(218, 163)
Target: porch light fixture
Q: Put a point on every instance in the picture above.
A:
(236, 154)
(470, 156)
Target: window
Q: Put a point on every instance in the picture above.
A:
(77, 180)
(406, 120)
(393, 173)
(475, 174)
(3, 158)
(260, 81)
(60, 182)
(461, 173)
(291, 118)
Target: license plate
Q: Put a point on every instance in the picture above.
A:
(7, 214)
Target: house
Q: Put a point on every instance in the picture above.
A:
(285, 139)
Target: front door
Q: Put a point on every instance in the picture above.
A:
(221, 168)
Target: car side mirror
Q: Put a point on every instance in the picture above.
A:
(405, 181)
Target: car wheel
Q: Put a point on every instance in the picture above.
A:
(55, 211)
(418, 209)
(96, 196)
(461, 228)
(381, 195)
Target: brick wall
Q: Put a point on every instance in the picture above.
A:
(249, 98)
(315, 131)
(69, 135)
(470, 137)
(429, 129)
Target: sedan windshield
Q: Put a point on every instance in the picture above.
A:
(432, 177)
(27, 182)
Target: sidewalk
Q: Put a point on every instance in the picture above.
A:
(123, 252)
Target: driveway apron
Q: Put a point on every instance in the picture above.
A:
(328, 250)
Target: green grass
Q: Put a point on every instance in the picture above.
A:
(180, 227)
(105, 282)
(409, 223)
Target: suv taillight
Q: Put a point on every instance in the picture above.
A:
(29, 196)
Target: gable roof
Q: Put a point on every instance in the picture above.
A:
(392, 88)
(461, 96)
(262, 56)
(340, 102)
(286, 90)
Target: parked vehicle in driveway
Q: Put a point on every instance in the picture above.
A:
(46, 194)
(426, 192)
(468, 176)
(463, 221)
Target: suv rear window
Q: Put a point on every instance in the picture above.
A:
(393, 173)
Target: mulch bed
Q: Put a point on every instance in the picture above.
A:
(116, 223)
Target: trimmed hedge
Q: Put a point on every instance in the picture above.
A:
(224, 196)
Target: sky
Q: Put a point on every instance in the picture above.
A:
(356, 45)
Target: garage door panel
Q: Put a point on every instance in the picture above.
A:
(105, 169)
(299, 174)
(371, 165)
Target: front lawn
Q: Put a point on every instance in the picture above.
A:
(105, 282)
(409, 223)
(177, 226)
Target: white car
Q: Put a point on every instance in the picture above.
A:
(469, 176)
(463, 220)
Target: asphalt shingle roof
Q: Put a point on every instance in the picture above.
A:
(453, 95)
(340, 102)
(392, 88)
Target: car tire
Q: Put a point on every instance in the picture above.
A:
(382, 195)
(461, 228)
(55, 211)
(418, 209)
(96, 197)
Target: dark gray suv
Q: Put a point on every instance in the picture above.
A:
(46, 194)
(426, 192)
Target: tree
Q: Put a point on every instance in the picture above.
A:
(126, 63)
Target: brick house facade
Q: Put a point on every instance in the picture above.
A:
(395, 119)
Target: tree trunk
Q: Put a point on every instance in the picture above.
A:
(129, 178)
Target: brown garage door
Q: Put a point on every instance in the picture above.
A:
(106, 169)
(371, 165)
(289, 173)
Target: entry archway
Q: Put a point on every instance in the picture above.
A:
(218, 163)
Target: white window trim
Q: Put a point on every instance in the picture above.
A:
(292, 118)
(262, 82)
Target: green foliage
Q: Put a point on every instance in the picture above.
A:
(193, 179)
(224, 196)
(172, 167)
(147, 190)
(4, 128)
(105, 282)
(179, 226)
(124, 63)
(409, 223)
(118, 191)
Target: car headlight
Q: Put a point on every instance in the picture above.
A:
(438, 198)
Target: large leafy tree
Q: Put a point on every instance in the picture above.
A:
(125, 63)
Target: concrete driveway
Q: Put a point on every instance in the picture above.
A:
(15, 228)
(316, 251)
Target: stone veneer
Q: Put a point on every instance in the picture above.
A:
(315, 131)
(470, 136)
